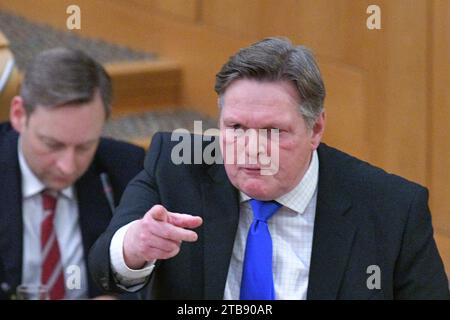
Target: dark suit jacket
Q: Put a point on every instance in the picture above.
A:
(364, 217)
(120, 161)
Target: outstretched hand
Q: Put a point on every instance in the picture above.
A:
(158, 235)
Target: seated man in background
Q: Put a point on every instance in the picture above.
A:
(296, 220)
(60, 178)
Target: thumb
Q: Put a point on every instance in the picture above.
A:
(158, 212)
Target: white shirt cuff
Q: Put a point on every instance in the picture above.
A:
(128, 279)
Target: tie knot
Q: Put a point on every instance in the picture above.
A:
(48, 200)
(264, 210)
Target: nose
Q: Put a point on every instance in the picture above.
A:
(66, 162)
(256, 143)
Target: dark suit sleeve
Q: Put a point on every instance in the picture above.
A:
(419, 272)
(139, 196)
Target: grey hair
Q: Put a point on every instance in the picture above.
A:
(62, 76)
(276, 59)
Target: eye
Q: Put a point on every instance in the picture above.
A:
(53, 145)
(274, 132)
(85, 147)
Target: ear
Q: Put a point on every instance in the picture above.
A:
(18, 114)
(317, 130)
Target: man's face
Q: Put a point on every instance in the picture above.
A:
(59, 143)
(252, 105)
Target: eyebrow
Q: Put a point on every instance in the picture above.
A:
(269, 124)
(53, 140)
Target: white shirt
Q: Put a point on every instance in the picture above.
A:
(67, 230)
(291, 229)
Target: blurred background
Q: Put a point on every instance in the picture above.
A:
(388, 89)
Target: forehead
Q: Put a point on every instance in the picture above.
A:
(72, 124)
(260, 99)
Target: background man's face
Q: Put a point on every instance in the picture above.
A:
(59, 143)
(250, 104)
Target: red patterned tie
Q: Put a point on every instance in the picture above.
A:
(52, 271)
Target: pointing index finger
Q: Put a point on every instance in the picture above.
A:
(184, 220)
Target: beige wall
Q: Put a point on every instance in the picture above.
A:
(388, 100)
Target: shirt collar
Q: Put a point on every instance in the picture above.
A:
(298, 198)
(31, 185)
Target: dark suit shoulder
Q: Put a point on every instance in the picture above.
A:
(8, 143)
(119, 153)
(121, 161)
(393, 222)
(368, 186)
(5, 127)
(122, 147)
(7, 131)
(356, 172)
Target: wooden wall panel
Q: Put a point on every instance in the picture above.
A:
(237, 17)
(345, 108)
(320, 24)
(52, 12)
(142, 85)
(439, 125)
(405, 84)
(183, 9)
(187, 10)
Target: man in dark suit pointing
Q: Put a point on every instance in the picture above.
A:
(59, 176)
(284, 217)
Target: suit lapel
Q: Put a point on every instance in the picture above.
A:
(11, 226)
(94, 212)
(334, 230)
(221, 213)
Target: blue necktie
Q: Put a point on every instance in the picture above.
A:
(257, 277)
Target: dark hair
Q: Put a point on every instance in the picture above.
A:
(275, 59)
(63, 76)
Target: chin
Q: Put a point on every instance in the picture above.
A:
(58, 185)
(257, 190)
